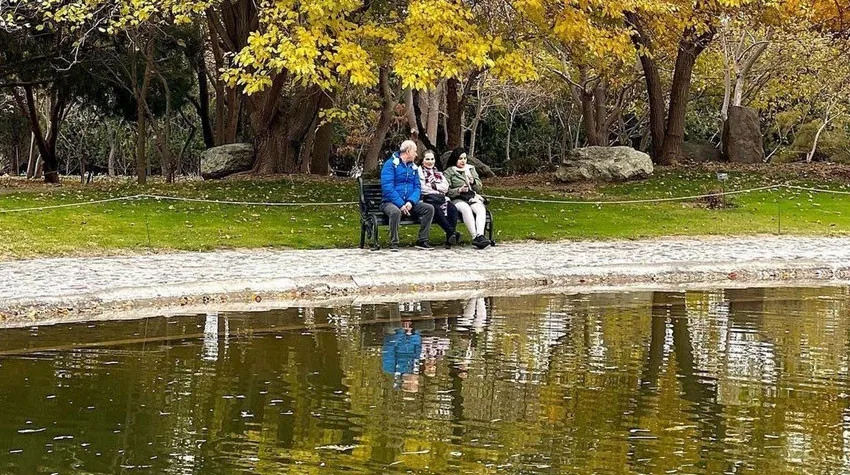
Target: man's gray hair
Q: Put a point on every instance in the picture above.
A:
(406, 146)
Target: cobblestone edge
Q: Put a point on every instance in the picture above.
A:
(255, 295)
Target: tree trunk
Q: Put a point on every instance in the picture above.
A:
(320, 160)
(110, 163)
(674, 135)
(15, 156)
(141, 94)
(229, 29)
(423, 138)
(30, 158)
(410, 110)
(589, 118)
(370, 162)
(281, 126)
(204, 100)
(508, 138)
(46, 145)
(455, 102)
(433, 101)
(164, 136)
(655, 94)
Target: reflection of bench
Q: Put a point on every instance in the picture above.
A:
(371, 215)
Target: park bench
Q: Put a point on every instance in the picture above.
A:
(371, 216)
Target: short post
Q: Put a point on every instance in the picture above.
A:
(722, 177)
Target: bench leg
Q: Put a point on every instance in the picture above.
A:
(490, 229)
(362, 235)
(374, 234)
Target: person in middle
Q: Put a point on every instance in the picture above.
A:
(464, 189)
(434, 188)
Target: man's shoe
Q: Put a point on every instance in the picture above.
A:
(424, 246)
(480, 241)
(393, 247)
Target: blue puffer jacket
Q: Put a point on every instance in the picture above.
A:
(400, 181)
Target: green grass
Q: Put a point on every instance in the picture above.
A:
(139, 225)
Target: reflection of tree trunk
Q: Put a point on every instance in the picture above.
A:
(376, 144)
(746, 307)
(698, 391)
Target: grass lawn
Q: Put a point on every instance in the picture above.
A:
(143, 224)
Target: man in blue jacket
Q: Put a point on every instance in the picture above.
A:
(401, 191)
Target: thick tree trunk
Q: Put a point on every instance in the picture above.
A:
(454, 114)
(674, 135)
(434, 98)
(588, 116)
(46, 145)
(655, 93)
(373, 153)
(229, 29)
(320, 159)
(423, 138)
(281, 126)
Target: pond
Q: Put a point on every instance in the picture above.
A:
(736, 381)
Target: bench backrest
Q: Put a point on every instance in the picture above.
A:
(370, 196)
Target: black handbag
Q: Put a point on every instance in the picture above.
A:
(435, 199)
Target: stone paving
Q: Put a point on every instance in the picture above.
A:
(87, 286)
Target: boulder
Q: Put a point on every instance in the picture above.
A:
(699, 152)
(742, 140)
(604, 164)
(218, 162)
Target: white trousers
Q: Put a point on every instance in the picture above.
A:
(474, 216)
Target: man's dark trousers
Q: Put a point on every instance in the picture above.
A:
(424, 211)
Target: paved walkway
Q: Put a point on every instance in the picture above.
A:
(46, 288)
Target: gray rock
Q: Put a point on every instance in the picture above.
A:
(742, 140)
(697, 151)
(604, 164)
(218, 162)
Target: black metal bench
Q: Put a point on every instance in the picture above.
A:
(371, 216)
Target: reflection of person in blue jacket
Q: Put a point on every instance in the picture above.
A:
(401, 350)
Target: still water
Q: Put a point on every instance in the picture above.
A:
(734, 381)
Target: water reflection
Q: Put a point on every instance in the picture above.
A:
(734, 381)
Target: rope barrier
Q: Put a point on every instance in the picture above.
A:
(250, 203)
(351, 203)
(817, 190)
(71, 205)
(177, 198)
(649, 200)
